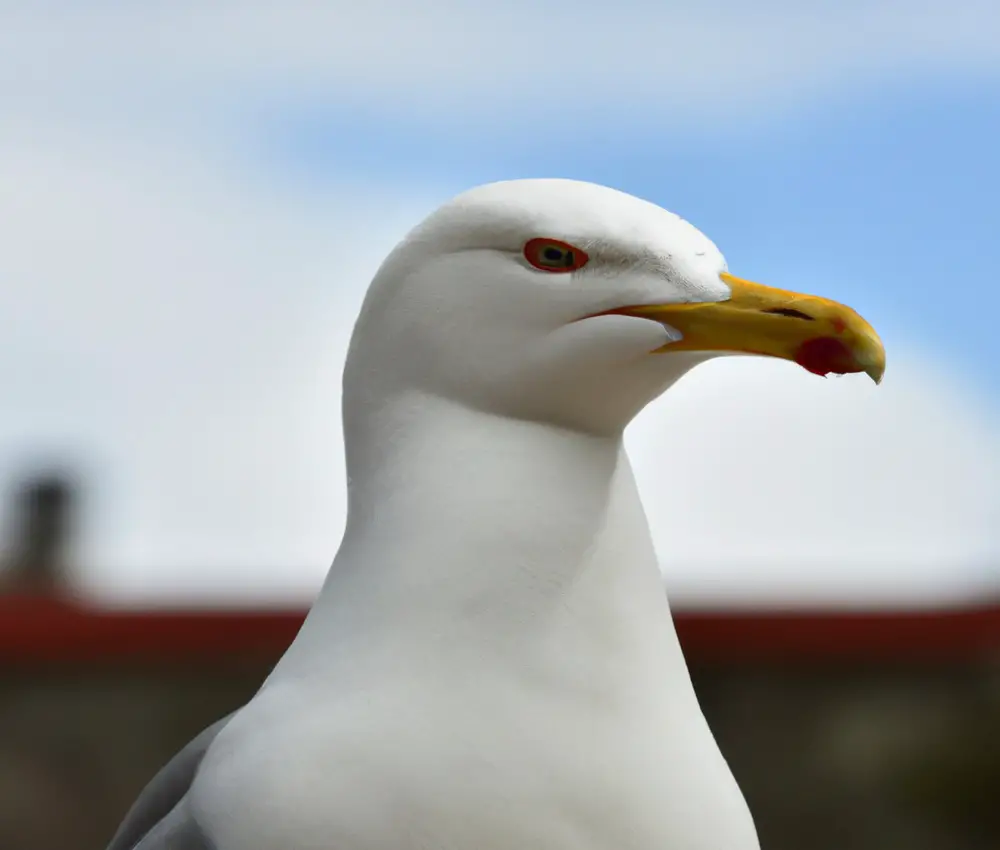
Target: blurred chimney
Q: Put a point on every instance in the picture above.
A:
(43, 513)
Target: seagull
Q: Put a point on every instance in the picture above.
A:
(491, 662)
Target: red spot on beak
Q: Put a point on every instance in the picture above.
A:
(839, 325)
(823, 355)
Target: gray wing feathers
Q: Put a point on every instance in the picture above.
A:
(159, 820)
(177, 831)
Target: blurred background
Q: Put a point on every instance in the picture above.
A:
(193, 198)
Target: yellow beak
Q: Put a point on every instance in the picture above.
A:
(818, 334)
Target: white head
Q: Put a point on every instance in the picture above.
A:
(574, 304)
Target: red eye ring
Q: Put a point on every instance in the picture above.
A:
(554, 255)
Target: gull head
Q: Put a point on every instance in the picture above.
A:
(574, 304)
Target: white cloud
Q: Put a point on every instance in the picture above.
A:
(461, 61)
(177, 322)
(787, 486)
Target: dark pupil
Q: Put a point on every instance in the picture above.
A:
(557, 255)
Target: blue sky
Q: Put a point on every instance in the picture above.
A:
(196, 195)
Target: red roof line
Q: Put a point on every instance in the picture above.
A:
(39, 630)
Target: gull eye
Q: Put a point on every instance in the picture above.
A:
(551, 255)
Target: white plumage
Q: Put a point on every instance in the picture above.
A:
(491, 663)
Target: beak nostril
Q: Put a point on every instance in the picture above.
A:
(790, 313)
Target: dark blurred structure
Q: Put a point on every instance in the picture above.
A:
(43, 515)
(859, 731)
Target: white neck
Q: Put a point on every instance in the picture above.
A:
(470, 534)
